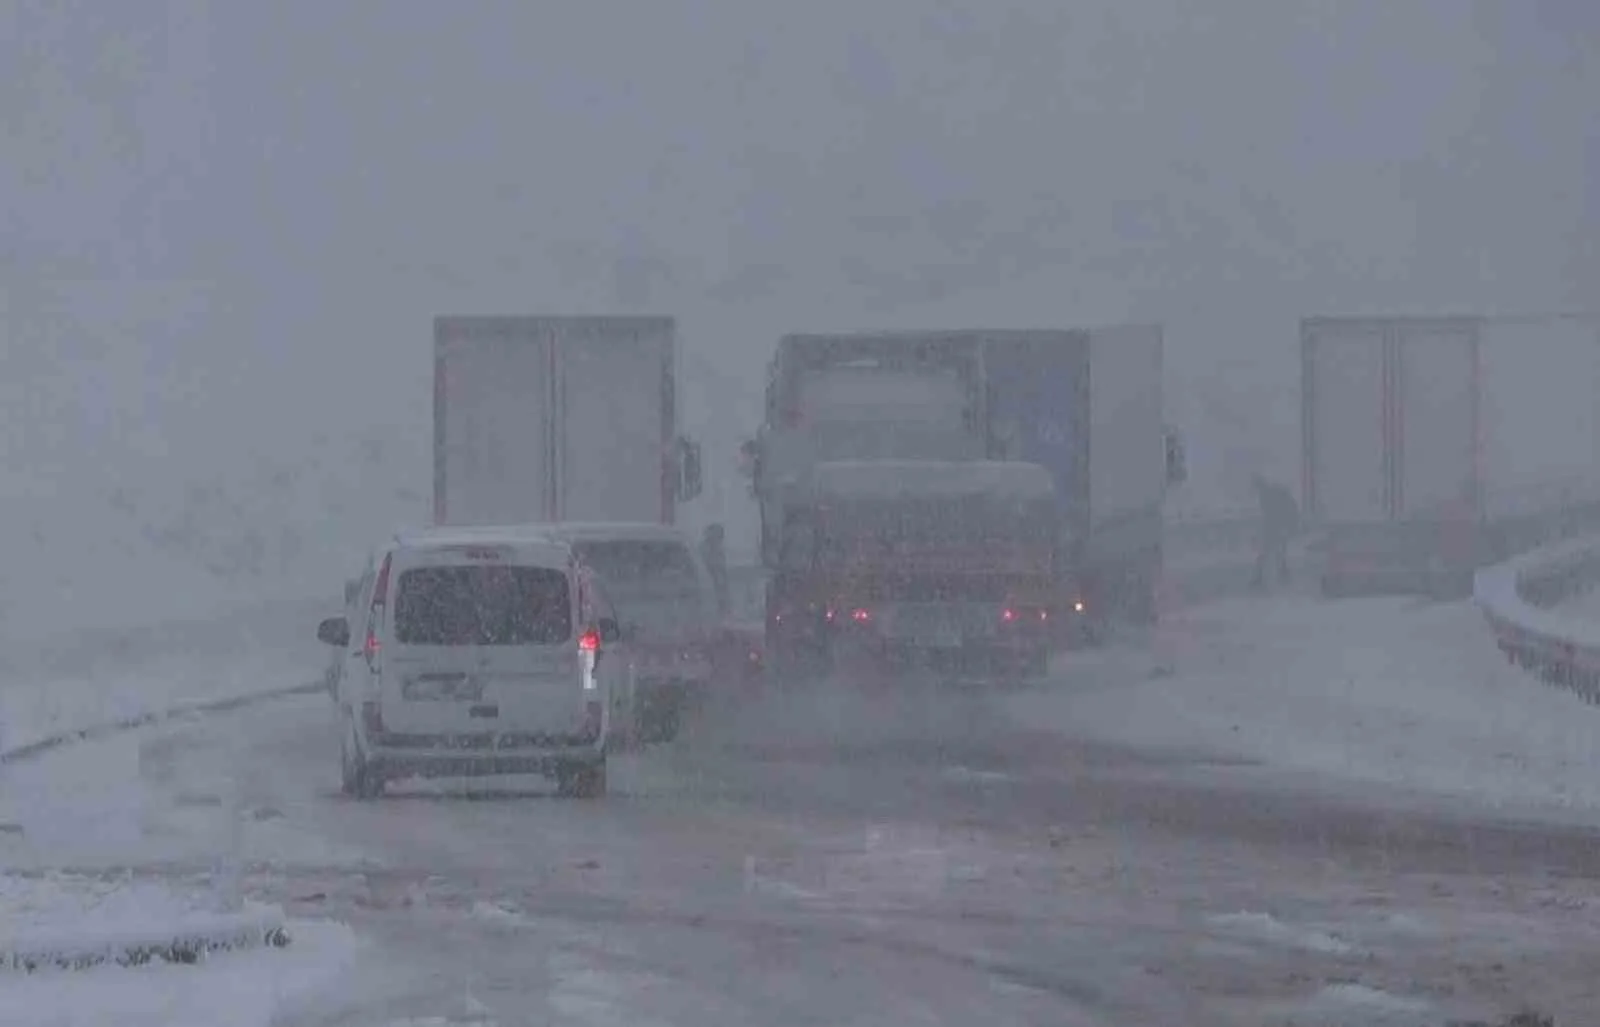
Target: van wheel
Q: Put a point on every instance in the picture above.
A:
(358, 778)
(582, 780)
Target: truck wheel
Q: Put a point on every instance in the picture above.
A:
(582, 780)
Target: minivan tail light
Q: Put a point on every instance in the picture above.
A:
(589, 641)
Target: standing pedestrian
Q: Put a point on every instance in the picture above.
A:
(1280, 519)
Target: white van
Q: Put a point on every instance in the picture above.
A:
(475, 652)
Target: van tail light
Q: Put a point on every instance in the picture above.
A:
(589, 641)
(380, 592)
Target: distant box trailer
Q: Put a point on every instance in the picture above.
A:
(541, 419)
(1434, 444)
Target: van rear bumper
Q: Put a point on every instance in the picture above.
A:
(480, 755)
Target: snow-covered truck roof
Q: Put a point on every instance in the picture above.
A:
(889, 479)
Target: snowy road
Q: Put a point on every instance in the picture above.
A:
(930, 856)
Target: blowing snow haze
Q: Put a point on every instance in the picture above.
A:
(228, 227)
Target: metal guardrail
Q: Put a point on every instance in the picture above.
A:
(1520, 600)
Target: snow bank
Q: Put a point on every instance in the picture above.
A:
(63, 922)
(102, 678)
(38, 713)
(1386, 691)
(239, 976)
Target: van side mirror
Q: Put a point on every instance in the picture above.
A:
(610, 630)
(334, 631)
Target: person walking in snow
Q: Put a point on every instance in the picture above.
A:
(1280, 518)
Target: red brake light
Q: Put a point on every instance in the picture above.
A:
(589, 641)
(861, 616)
(370, 648)
(1008, 615)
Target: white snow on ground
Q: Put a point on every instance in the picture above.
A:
(79, 916)
(1390, 691)
(1267, 928)
(235, 989)
(32, 710)
(123, 800)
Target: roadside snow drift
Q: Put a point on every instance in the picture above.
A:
(74, 923)
(81, 952)
(1398, 692)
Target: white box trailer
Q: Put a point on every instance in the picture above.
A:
(543, 419)
(1432, 444)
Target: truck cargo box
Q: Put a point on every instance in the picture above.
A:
(1427, 439)
(541, 419)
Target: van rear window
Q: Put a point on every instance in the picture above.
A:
(482, 605)
(631, 563)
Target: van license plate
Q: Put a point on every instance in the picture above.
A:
(442, 688)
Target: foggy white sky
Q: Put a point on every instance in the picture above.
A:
(229, 225)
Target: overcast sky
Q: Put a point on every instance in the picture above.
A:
(228, 225)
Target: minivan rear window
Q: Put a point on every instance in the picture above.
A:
(482, 605)
(632, 564)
